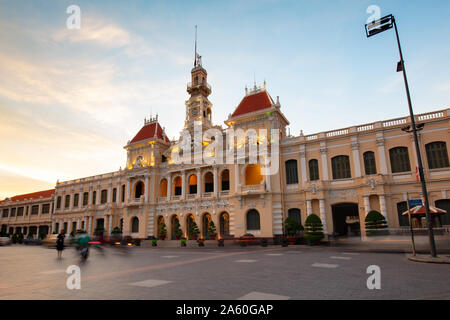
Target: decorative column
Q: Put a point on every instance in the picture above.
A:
(69, 226)
(97, 201)
(308, 207)
(80, 199)
(78, 224)
(71, 198)
(169, 187)
(199, 183)
(215, 181)
(383, 206)
(356, 160)
(382, 154)
(110, 224)
(109, 198)
(366, 204)
(183, 184)
(127, 195)
(303, 164)
(323, 153)
(236, 178)
(90, 225)
(146, 189)
(322, 215)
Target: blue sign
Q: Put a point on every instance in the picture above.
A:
(415, 203)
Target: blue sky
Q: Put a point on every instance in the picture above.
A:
(71, 99)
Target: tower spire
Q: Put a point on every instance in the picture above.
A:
(195, 54)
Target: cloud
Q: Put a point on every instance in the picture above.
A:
(98, 31)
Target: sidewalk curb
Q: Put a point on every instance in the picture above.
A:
(428, 259)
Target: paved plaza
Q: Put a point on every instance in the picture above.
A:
(232, 273)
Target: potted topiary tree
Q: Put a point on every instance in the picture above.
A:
(154, 242)
(292, 228)
(183, 242)
(212, 231)
(177, 230)
(376, 224)
(313, 229)
(162, 231)
(194, 231)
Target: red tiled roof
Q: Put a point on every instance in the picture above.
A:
(253, 102)
(148, 131)
(34, 195)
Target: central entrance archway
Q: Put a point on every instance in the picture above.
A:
(346, 219)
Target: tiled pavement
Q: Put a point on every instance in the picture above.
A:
(295, 272)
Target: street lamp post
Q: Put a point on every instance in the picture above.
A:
(372, 29)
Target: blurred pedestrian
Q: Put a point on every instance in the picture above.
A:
(60, 243)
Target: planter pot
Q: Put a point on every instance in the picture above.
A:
(178, 237)
(162, 237)
(292, 240)
(154, 244)
(212, 237)
(201, 243)
(221, 243)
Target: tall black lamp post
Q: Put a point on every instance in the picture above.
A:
(372, 29)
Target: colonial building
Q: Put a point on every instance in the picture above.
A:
(340, 175)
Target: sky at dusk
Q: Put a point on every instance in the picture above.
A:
(71, 99)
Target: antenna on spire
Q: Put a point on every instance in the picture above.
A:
(195, 56)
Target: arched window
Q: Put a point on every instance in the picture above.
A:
(67, 202)
(341, 167)
(134, 225)
(291, 172)
(399, 159)
(369, 163)
(139, 190)
(253, 220)
(313, 170)
(225, 180)
(444, 204)
(192, 184)
(253, 174)
(163, 187)
(177, 186)
(224, 224)
(209, 182)
(402, 220)
(205, 223)
(295, 214)
(103, 196)
(437, 155)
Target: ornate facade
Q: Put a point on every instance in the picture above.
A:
(340, 175)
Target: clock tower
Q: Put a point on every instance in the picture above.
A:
(198, 107)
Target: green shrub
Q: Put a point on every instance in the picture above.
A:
(177, 230)
(375, 223)
(211, 229)
(292, 227)
(162, 230)
(116, 230)
(313, 228)
(194, 231)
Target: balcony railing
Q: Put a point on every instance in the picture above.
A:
(253, 188)
(191, 85)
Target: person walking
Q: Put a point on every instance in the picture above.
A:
(60, 243)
